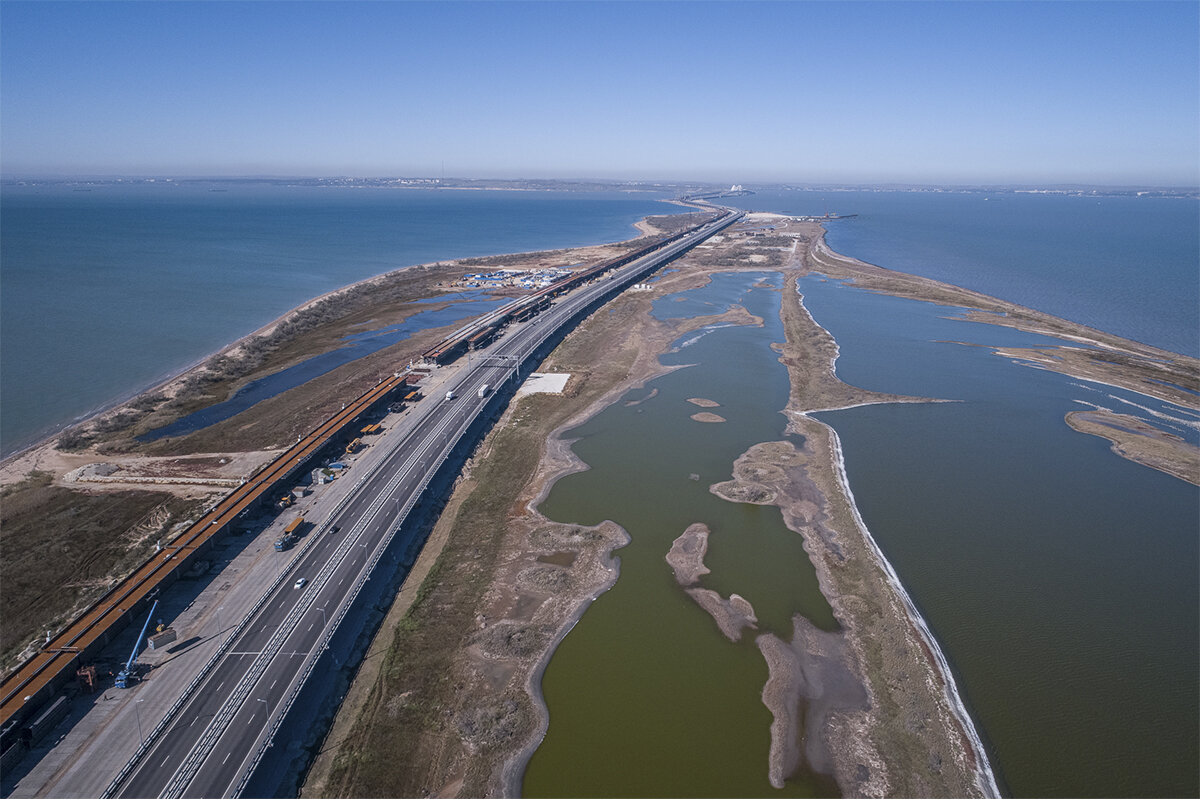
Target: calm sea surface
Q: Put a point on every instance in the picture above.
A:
(107, 291)
(1060, 579)
(1126, 265)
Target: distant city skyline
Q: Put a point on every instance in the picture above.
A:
(1097, 93)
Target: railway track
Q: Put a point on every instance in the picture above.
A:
(21, 692)
(23, 685)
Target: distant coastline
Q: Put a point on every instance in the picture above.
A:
(681, 188)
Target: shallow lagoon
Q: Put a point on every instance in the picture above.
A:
(358, 345)
(646, 697)
(1059, 579)
(110, 290)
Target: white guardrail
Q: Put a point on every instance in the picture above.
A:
(220, 723)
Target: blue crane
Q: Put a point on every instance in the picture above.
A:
(127, 675)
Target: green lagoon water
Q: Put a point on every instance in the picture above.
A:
(646, 696)
(1059, 579)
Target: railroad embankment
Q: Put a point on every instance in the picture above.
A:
(77, 473)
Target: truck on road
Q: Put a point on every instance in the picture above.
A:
(483, 390)
(289, 535)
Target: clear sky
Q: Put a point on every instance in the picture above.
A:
(854, 92)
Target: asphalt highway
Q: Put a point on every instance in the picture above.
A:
(217, 735)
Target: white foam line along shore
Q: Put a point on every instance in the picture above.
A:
(985, 776)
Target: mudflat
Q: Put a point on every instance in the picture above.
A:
(825, 674)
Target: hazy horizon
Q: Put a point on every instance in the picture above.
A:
(582, 179)
(863, 94)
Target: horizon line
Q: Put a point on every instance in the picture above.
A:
(148, 176)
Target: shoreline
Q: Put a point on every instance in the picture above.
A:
(909, 640)
(783, 760)
(174, 375)
(559, 452)
(559, 455)
(985, 774)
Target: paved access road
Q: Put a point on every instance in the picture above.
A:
(215, 738)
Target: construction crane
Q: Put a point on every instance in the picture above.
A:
(128, 675)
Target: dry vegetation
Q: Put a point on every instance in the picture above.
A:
(430, 719)
(1138, 441)
(449, 711)
(62, 547)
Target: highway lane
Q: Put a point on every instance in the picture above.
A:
(217, 736)
(95, 624)
(364, 523)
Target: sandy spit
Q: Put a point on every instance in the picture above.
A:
(686, 558)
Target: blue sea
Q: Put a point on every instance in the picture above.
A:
(1126, 265)
(110, 288)
(1060, 579)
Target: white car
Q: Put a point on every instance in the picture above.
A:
(299, 584)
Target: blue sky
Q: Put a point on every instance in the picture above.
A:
(855, 92)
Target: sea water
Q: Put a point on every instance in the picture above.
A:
(1060, 579)
(1126, 265)
(106, 289)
